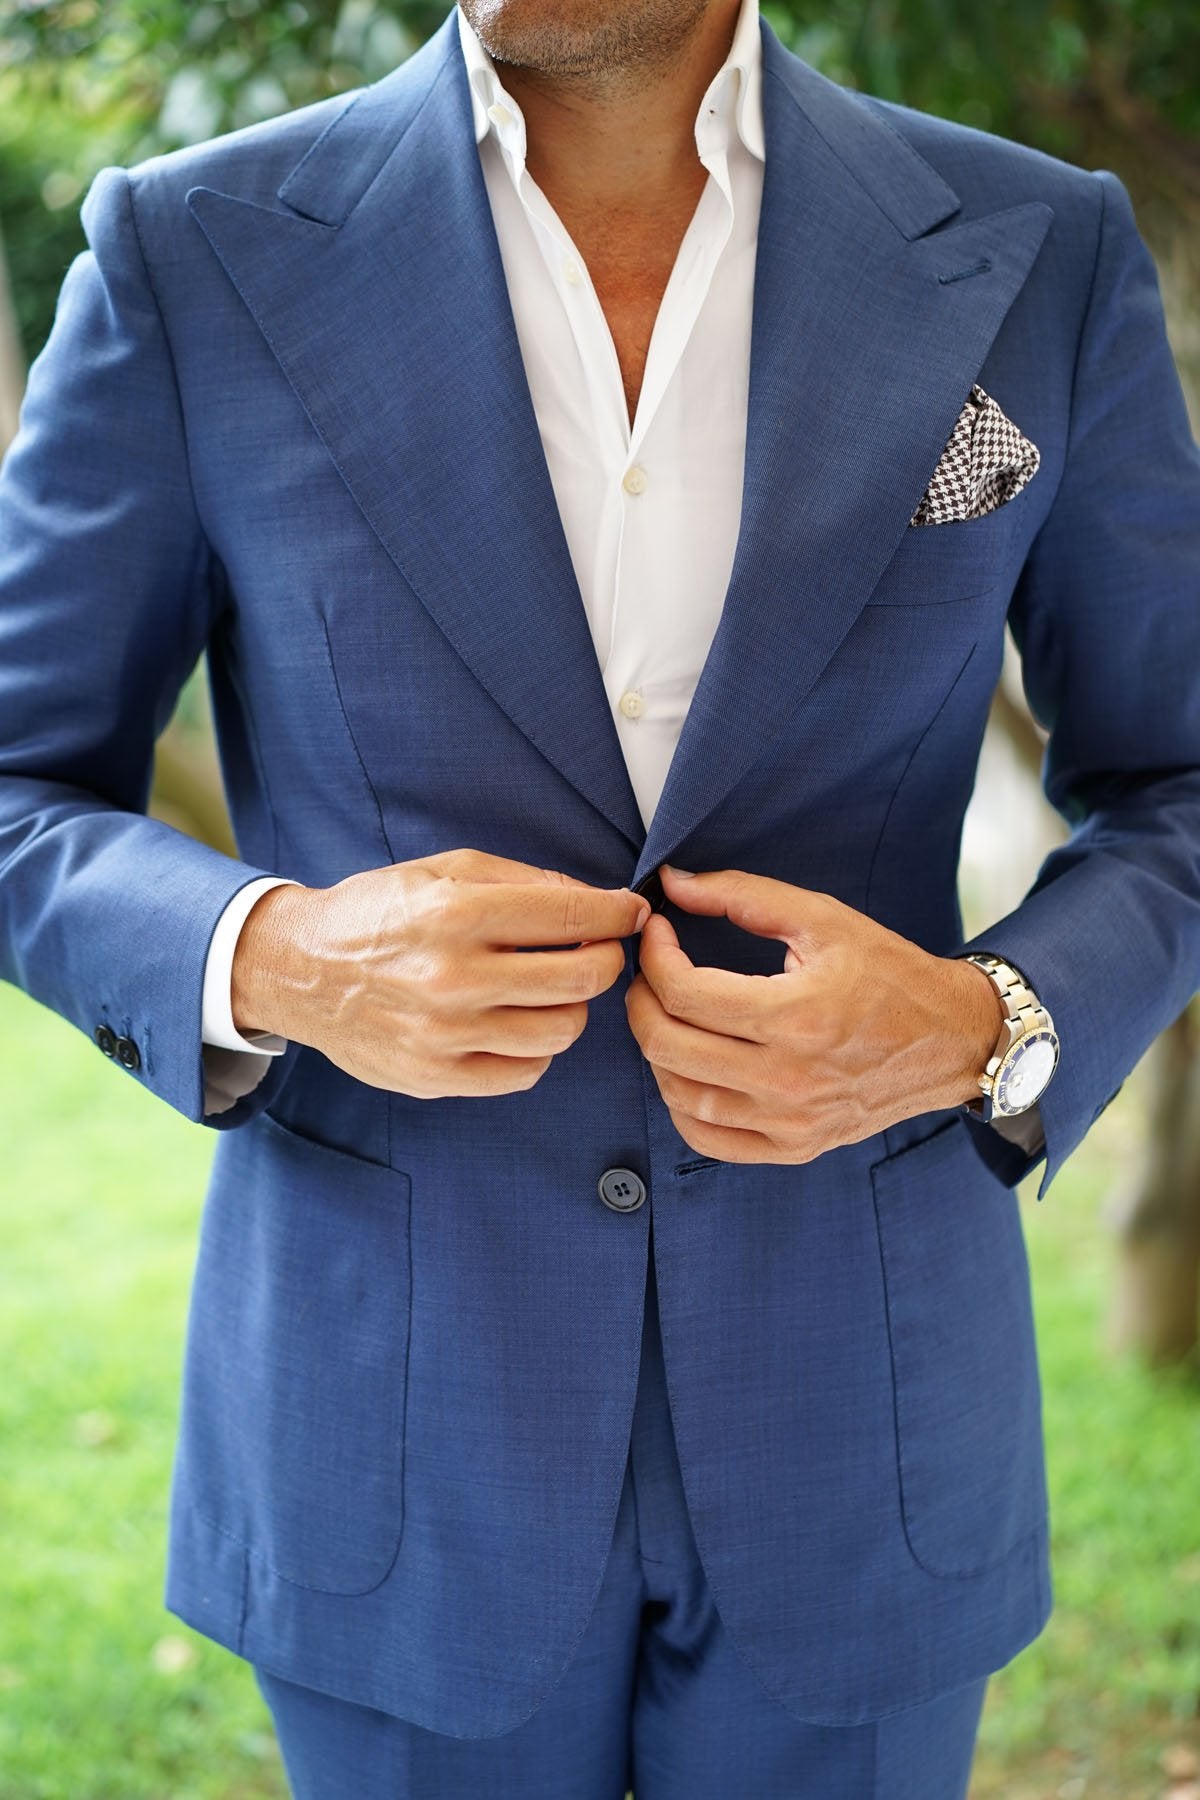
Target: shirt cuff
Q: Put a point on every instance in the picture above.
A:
(231, 1074)
(217, 1029)
(1023, 1129)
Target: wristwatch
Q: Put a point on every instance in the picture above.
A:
(1026, 1053)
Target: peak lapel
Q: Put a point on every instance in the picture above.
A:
(382, 295)
(860, 362)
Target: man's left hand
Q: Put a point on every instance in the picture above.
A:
(861, 1029)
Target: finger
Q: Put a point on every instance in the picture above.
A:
(526, 913)
(715, 999)
(727, 1144)
(480, 865)
(481, 1072)
(802, 917)
(708, 1102)
(706, 1056)
(520, 1030)
(532, 978)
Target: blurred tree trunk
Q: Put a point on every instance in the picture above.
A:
(12, 359)
(1156, 1299)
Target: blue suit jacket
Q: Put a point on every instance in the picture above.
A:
(282, 417)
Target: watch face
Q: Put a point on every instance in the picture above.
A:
(1026, 1072)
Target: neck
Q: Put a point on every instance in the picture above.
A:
(625, 139)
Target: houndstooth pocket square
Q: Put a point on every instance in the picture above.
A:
(986, 462)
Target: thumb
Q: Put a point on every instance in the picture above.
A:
(482, 866)
(757, 903)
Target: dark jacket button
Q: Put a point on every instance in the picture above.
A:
(106, 1039)
(621, 1189)
(650, 887)
(128, 1054)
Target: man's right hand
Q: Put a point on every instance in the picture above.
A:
(410, 977)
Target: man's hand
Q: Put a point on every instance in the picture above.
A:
(862, 1028)
(411, 978)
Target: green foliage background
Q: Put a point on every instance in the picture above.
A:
(84, 83)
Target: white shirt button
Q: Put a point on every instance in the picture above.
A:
(632, 705)
(500, 115)
(572, 274)
(635, 480)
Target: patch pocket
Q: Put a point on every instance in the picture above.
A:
(292, 1433)
(964, 1357)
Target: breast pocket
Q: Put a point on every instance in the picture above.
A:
(292, 1435)
(964, 1358)
(934, 564)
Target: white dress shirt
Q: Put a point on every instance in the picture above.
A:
(650, 510)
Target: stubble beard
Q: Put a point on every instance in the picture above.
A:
(589, 45)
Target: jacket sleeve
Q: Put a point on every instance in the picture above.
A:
(1106, 615)
(107, 593)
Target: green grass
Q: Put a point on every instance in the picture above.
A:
(101, 1189)
(104, 1696)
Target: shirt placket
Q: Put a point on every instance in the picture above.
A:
(568, 273)
(632, 504)
(637, 628)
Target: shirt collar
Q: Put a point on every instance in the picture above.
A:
(732, 103)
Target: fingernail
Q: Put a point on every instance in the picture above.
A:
(687, 874)
(643, 915)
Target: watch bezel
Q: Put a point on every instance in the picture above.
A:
(1005, 1068)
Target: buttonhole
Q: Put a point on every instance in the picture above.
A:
(979, 268)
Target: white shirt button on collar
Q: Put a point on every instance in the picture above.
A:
(500, 115)
(635, 480)
(572, 273)
(632, 705)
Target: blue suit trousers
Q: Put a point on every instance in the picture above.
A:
(656, 1699)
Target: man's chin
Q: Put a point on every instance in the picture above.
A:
(583, 40)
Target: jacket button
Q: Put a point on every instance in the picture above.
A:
(650, 888)
(106, 1039)
(621, 1189)
(128, 1054)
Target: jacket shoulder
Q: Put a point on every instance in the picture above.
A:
(984, 168)
(251, 162)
